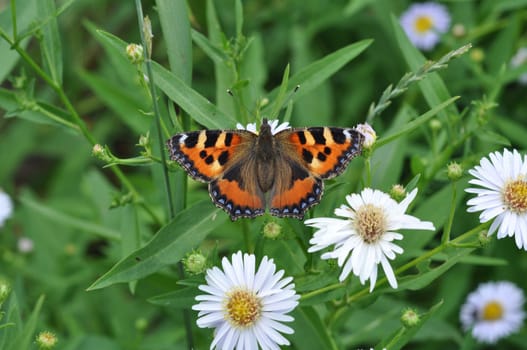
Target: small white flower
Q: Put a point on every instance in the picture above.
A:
(275, 128)
(6, 207)
(502, 194)
(25, 245)
(493, 311)
(365, 238)
(245, 307)
(520, 59)
(369, 134)
(424, 23)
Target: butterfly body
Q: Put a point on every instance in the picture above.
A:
(249, 172)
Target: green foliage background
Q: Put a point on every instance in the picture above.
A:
(67, 85)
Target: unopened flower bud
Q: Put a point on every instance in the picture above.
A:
(397, 192)
(435, 124)
(410, 318)
(134, 52)
(46, 340)
(5, 289)
(272, 230)
(459, 30)
(195, 263)
(454, 171)
(477, 55)
(369, 135)
(101, 153)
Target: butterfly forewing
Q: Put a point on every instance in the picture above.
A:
(206, 154)
(325, 151)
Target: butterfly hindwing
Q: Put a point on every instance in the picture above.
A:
(295, 190)
(206, 154)
(237, 190)
(325, 151)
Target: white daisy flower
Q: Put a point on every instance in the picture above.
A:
(502, 194)
(365, 238)
(6, 207)
(519, 59)
(275, 127)
(246, 308)
(493, 311)
(424, 23)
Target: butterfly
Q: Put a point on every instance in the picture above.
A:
(248, 172)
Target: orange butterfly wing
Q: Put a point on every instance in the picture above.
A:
(310, 155)
(222, 158)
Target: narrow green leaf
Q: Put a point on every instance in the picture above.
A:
(26, 15)
(414, 124)
(125, 103)
(173, 15)
(433, 88)
(67, 220)
(311, 76)
(51, 44)
(25, 337)
(279, 100)
(197, 106)
(179, 299)
(427, 274)
(168, 246)
(238, 13)
(212, 51)
(310, 331)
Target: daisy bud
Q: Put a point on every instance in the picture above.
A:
(410, 318)
(134, 52)
(144, 141)
(141, 324)
(46, 340)
(369, 135)
(101, 153)
(263, 102)
(5, 289)
(458, 30)
(195, 263)
(454, 171)
(398, 192)
(435, 124)
(272, 230)
(477, 55)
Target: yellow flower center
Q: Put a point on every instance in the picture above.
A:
(370, 223)
(243, 308)
(492, 311)
(515, 196)
(423, 24)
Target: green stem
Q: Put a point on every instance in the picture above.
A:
(171, 211)
(448, 227)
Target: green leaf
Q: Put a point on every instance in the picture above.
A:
(25, 337)
(67, 220)
(125, 103)
(197, 106)
(51, 42)
(173, 15)
(428, 274)
(26, 14)
(310, 331)
(314, 74)
(179, 299)
(432, 86)
(168, 246)
(212, 51)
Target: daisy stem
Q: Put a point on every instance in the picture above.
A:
(448, 227)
